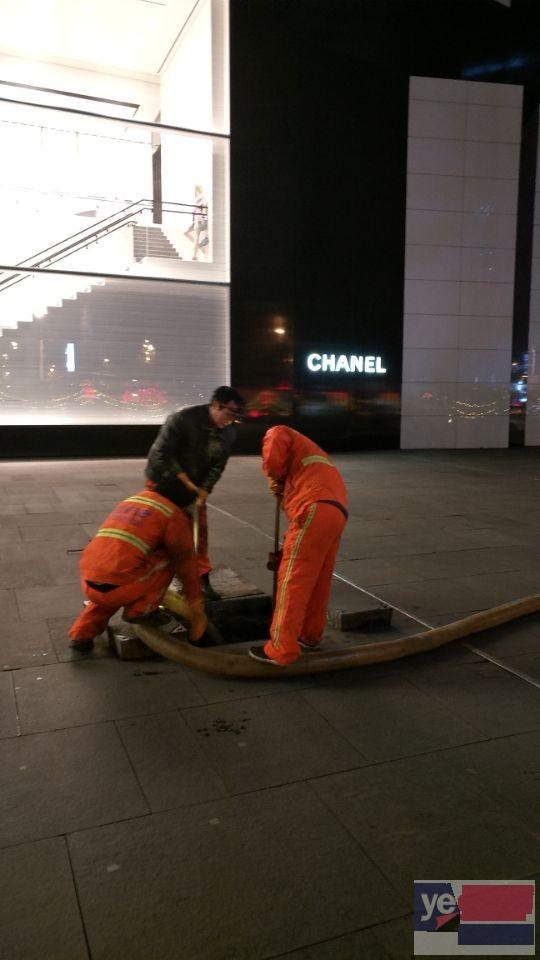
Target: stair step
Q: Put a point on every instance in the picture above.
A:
(152, 242)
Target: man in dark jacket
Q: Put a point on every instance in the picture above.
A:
(191, 450)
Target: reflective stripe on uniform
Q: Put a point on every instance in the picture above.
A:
(148, 502)
(115, 534)
(287, 577)
(316, 459)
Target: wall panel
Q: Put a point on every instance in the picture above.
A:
(462, 192)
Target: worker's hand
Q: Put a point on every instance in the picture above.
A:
(274, 560)
(275, 485)
(202, 496)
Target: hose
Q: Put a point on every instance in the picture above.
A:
(220, 662)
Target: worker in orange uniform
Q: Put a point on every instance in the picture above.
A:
(141, 546)
(315, 502)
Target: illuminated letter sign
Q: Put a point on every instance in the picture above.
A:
(341, 363)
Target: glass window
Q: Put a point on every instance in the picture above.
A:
(77, 349)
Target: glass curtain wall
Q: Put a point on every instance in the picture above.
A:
(114, 247)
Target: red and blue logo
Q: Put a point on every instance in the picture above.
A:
(467, 917)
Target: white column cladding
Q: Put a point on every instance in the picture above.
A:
(462, 190)
(532, 423)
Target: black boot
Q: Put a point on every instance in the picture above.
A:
(207, 589)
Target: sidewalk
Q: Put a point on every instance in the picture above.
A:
(154, 813)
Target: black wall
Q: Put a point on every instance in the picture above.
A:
(319, 93)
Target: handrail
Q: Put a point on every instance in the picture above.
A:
(92, 237)
(17, 277)
(135, 203)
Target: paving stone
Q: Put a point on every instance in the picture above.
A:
(229, 584)
(473, 562)
(352, 946)
(258, 573)
(8, 605)
(222, 861)
(53, 783)
(39, 915)
(90, 529)
(265, 741)
(354, 548)
(420, 817)
(397, 936)
(9, 535)
(378, 570)
(483, 695)
(497, 588)
(219, 689)
(10, 510)
(87, 691)
(70, 535)
(527, 663)
(385, 718)
(39, 506)
(8, 709)
(63, 567)
(50, 601)
(58, 631)
(18, 490)
(429, 597)
(517, 638)
(14, 573)
(169, 763)
(449, 655)
(24, 644)
(33, 520)
(17, 550)
(369, 616)
(508, 769)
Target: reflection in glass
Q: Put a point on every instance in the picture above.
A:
(110, 351)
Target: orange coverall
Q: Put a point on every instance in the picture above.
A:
(203, 560)
(315, 503)
(142, 545)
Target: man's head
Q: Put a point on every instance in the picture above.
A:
(226, 407)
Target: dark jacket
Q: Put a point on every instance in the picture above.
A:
(188, 442)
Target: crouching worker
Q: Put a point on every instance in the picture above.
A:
(141, 546)
(315, 502)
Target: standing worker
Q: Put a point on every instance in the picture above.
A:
(140, 547)
(190, 452)
(315, 503)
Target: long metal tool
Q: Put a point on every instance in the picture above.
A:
(196, 528)
(276, 551)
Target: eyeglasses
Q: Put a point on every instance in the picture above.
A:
(234, 416)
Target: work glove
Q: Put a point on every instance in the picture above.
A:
(274, 560)
(275, 485)
(198, 621)
(202, 496)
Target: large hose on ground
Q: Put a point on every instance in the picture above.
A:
(226, 664)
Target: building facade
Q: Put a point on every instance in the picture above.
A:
(114, 292)
(377, 282)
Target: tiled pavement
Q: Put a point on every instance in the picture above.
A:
(154, 813)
